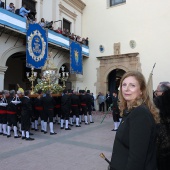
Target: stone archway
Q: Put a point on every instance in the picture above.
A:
(5, 55)
(124, 62)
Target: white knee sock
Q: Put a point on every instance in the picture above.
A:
(51, 127)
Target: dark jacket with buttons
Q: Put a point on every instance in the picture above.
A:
(135, 142)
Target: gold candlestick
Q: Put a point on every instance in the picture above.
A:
(32, 78)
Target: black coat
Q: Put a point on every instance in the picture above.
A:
(65, 103)
(48, 102)
(135, 142)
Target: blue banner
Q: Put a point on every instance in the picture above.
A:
(37, 46)
(76, 64)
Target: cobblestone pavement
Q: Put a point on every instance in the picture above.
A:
(77, 149)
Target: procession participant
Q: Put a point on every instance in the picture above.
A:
(3, 114)
(26, 114)
(70, 92)
(12, 114)
(75, 107)
(89, 105)
(48, 104)
(80, 110)
(3, 117)
(38, 108)
(57, 108)
(19, 96)
(83, 101)
(65, 109)
(115, 111)
(135, 142)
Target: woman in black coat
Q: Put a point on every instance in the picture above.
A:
(135, 142)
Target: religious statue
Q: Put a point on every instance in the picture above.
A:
(49, 64)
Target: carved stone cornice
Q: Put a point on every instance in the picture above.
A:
(67, 11)
(118, 56)
(76, 4)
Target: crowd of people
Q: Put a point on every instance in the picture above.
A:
(22, 113)
(30, 16)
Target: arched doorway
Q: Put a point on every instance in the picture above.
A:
(114, 79)
(124, 62)
(16, 72)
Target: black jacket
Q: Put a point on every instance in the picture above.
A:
(135, 142)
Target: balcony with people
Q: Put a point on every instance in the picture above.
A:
(17, 20)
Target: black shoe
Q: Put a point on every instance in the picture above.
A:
(32, 128)
(36, 129)
(83, 121)
(67, 128)
(86, 123)
(53, 133)
(4, 134)
(8, 136)
(1, 133)
(61, 127)
(78, 126)
(80, 122)
(31, 133)
(114, 130)
(91, 122)
(45, 132)
(29, 138)
(71, 125)
(17, 136)
(23, 137)
(42, 130)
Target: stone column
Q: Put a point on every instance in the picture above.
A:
(2, 73)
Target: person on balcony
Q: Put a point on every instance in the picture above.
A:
(1, 4)
(42, 23)
(10, 7)
(23, 12)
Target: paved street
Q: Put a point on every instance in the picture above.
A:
(77, 149)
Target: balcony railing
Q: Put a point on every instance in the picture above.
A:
(16, 22)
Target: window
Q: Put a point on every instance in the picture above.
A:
(116, 2)
(66, 24)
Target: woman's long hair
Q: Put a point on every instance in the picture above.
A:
(143, 99)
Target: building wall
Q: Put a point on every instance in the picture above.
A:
(146, 22)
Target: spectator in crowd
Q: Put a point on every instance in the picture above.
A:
(72, 37)
(135, 141)
(59, 30)
(78, 39)
(64, 32)
(42, 23)
(83, 41)
(10, 7)
(116, 112)
(87, 41)
(162, 102)
(1, 4)
(68, 33)
(23, 12)
(101, 101)
(108, 100)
